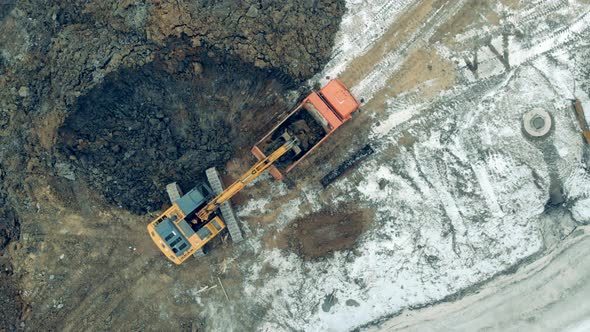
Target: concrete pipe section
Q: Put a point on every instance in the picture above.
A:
(537, 123)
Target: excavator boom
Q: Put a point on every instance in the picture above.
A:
(205, 213)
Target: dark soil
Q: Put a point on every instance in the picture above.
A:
(9, 229)
(5, 7)
(11, 305)
(347, 165)
(295, 37)
(323, 233)
(9, 223)
(166, 121)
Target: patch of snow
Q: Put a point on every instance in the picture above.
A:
(582, 326)
(399, 113)
(364, 22)
(253, 206)
(289, 212)
(581, 210)
(520, 54)
(577, 184)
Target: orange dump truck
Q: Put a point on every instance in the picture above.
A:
(311, 122)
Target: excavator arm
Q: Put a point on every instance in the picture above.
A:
(290, 144)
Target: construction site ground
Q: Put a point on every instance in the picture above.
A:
(457, 221)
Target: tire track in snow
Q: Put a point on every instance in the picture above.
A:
(376, 80)
(552, 42)
(535, 46)
(537, 10)
(483, 179)
(364, 23)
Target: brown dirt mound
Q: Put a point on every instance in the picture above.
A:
(325, 232)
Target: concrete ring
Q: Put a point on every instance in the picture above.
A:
(537, 122)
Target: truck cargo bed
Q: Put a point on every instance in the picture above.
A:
(301, 123)
(318, 116)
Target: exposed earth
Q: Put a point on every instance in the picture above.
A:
(141, 129)
(106, 102)
(325, 232)
(457, 213)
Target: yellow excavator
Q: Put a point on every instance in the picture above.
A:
(193, 220)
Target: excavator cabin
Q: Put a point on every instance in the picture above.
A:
(178, 232)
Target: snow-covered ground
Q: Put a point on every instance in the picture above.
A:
(364, 22)
(462, 203)
(549, 294)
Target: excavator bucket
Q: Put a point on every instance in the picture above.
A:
(296, 148)
(226, 210)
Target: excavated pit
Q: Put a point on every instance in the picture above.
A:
(126, 131)
(166, 121)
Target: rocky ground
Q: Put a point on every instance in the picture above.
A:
(104, 102)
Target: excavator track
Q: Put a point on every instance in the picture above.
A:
(174, 193)
(226, 210)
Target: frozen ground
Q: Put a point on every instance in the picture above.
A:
(547, 295)
(459, 194)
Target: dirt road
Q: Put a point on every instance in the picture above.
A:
(549, 294)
